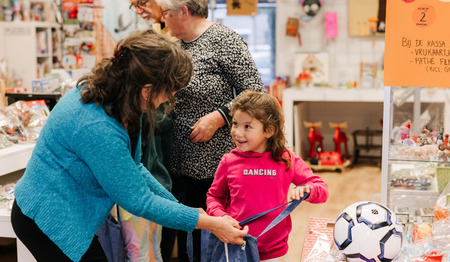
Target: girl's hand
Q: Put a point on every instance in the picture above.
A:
(299, 191)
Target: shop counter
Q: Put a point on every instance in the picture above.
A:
(15, 157)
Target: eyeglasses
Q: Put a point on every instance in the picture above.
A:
(164, 13)
(139, 4)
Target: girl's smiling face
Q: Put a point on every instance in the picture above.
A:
(248, 133)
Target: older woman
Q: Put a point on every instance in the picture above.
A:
(150, 11)
(223, 68)
(88, 156)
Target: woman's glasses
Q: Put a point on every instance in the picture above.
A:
(164, 13)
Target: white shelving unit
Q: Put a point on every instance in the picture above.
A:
(28, 57)
(28, 45)
(12, 159)
(421, 107)
(15, 157)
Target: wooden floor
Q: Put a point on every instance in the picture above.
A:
(352, 185)
(359, 183)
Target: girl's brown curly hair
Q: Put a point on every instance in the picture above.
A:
(266, 109)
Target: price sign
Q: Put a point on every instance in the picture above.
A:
(417, 46)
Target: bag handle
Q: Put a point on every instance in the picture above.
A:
(293, 204)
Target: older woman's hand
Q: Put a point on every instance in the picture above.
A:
(222, 228)
(206, 126)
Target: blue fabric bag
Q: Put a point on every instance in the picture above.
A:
(214, 250)
(110, 237)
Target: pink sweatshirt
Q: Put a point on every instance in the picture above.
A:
(247, 183)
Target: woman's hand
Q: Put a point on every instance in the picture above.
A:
(201, 210)
(233, 221)
(206, 126)
(222, 228)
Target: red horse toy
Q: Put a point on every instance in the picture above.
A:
(339, 137)
(314, 136)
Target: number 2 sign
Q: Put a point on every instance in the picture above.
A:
(424, 15)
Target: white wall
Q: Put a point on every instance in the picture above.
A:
(346, 52)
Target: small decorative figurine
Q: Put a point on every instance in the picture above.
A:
(425, 137)
(440, 134)
(404, 129)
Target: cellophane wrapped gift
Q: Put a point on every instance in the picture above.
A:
(22, 121)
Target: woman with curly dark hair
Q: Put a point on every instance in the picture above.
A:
(88, 156)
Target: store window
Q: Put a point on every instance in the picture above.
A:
(258, 31)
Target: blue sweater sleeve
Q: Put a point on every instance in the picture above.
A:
(154, 185)
(105, 148)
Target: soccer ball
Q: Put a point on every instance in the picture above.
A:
(368, 231)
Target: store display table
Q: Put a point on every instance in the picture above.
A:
(15, 157)
(12, 159)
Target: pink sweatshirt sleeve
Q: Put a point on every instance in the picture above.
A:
(303, 175)
(218, 193)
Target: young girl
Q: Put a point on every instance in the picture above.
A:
(256, 175)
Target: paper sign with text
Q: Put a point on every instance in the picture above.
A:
(417, 44)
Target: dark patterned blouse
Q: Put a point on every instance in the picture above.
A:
(223, 68)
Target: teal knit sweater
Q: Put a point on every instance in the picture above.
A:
(80, 167)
